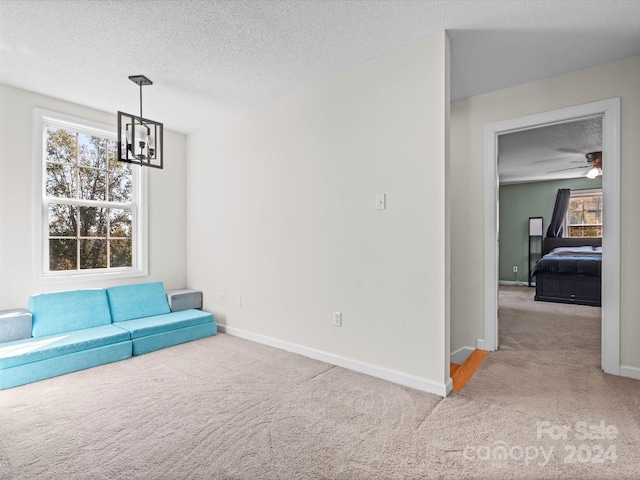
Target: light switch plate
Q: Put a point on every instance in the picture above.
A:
(381, 201)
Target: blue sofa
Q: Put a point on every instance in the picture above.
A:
(80, 329)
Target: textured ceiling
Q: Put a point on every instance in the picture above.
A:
(211, 59)
(550, 152)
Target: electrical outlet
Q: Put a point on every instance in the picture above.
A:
(222, 298)
(515, 269)
(337, 319)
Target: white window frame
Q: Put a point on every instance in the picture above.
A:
(41, 272)
(581, 193)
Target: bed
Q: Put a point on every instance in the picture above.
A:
(569, 271)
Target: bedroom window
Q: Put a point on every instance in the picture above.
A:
(90, 213)
(585, 214)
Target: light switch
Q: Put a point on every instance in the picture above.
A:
(380, 201)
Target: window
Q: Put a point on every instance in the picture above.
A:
(585, 213)
(90, 206)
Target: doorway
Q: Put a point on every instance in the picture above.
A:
(609, 110)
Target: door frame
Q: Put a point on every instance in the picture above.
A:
(609, 110)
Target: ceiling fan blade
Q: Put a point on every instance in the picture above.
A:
(559, 159)
(570, 150)
(565, 169)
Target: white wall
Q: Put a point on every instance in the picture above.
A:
(468, 118)
(281, 212)
(167, 239)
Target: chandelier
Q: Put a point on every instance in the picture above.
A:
(139, 139)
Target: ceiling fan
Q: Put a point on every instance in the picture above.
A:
(593, 166)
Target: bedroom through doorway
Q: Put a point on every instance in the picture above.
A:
(609, 113)
(550, 201)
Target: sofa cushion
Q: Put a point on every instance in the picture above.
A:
(142, 327)
(51, 367)
(149, 343)
(67, 311)
(137, 301)
(31, 350)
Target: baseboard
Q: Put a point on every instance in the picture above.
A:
(631, 372)
(511, 282)
(441, 389)
(460, 355)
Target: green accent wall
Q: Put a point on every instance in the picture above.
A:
(520, 201)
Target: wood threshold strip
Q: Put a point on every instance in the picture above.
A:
(461, 374)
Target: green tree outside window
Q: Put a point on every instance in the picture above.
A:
(89, 196)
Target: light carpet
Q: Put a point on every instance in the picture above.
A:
(228, 408)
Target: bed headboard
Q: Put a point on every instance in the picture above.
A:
(549, 244)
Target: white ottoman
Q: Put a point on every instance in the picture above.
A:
(184, 299)
(15, 324)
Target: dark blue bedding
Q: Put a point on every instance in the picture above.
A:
(585, 260)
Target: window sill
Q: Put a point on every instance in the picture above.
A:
(52, 279)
